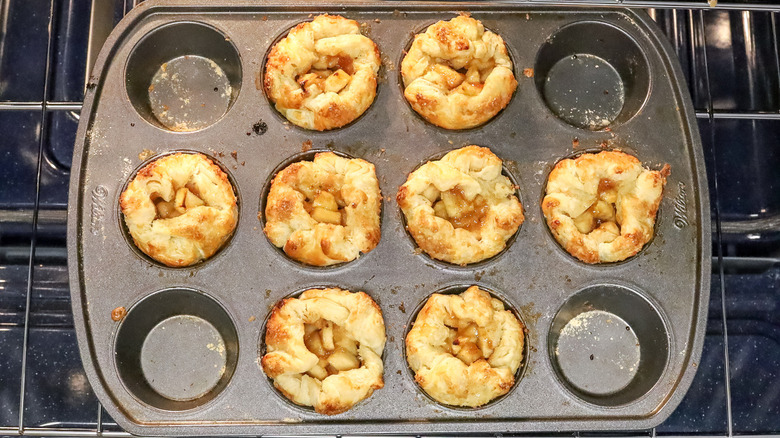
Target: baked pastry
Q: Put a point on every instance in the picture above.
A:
(324, 349)
(180, 209)
(457, 75)
(325, 211)
(461, 209)
(465, 349)
(601, 207)
(323, 74)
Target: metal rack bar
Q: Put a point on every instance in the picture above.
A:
(33, 239)
(711, 129)
(32, 106)
(99, 427)
(737, 115)
(61, 432)
(30, 266)
(644, 4)
(775, 47)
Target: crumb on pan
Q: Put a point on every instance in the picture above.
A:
(118, 314)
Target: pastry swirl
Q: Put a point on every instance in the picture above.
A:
(465, 349)
(461, 209)
(324, 349)
(323, 74)
(325, 211)
(180, 209)
(602, 207)
(458, 75)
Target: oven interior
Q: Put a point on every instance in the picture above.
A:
(730, 58)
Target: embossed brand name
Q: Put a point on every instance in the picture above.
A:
(98, 210)
(681, 207)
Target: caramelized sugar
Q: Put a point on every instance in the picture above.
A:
(471, 214)
(605, 185)
(601, 211)
(462, 79)
(313, 343)
(318, 77)
(342, 62)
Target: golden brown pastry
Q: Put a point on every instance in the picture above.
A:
(457, 75)
(465, 349)
(324, 349)
(180, 209)
(461, 209)
(601, 207)
(325, 211)
(322, 75)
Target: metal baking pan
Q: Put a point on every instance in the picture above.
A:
(655, 302)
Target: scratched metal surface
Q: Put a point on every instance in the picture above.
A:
(250, 275)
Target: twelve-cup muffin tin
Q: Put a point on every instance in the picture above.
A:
(609, 346)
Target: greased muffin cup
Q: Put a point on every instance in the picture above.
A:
(176, 351)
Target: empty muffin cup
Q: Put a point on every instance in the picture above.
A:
(608, 345)
(176, 349)
(592, 74)
(183, 76)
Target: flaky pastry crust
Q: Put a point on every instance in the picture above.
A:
(457, 75)
(602, 207)
(325, 211)
(323, 74)
(324, 349)
(465, 349)
(180, 209)
(461, 209)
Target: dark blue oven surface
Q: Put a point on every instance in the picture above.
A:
(730, 59)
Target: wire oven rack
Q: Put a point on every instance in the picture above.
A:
(43, 391)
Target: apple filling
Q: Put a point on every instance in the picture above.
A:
(329, 74)
(186, 198)
(464, 81)
(453, 206)
(469, 343)
(602, 211)
(335, 348)
(326, 208)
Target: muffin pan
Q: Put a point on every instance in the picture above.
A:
(610, 346)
